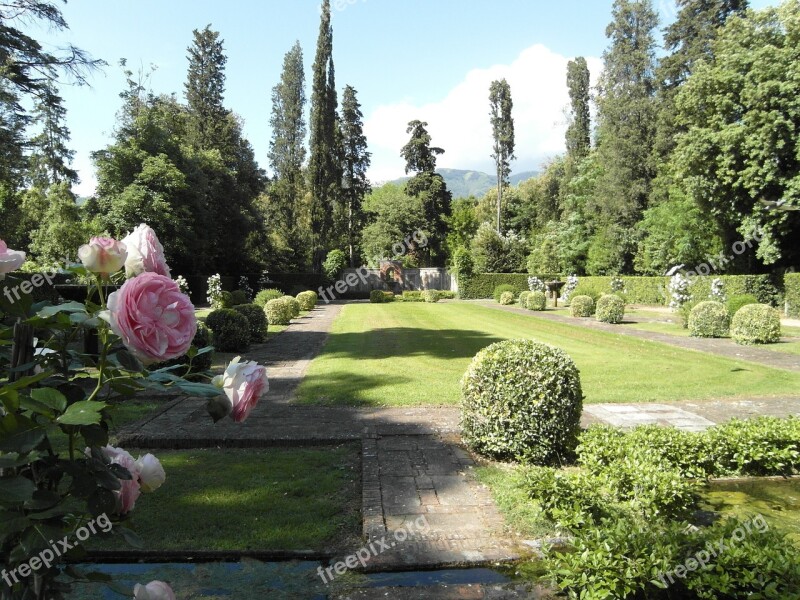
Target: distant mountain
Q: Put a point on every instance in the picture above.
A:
(472, 183)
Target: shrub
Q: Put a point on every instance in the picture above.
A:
(430, 295)
(236, 298)
(334, 264)
(501, 289)
(734, 303)
(307, 300)
(377, 297)
(523, 299)
(447, 294)
(507, 298)
(581, 306)
(536, 301)
(463, 264)
(265, 296)
(279, 311)
(522, 400)
(791, 286)
(256, 319)
(413, 296)
(201, 362)
(231, 330)
(388, 296)
(481, 285)
(709, 320)
(586, 288)
(756, 324)
(610, 309)
(294, 304)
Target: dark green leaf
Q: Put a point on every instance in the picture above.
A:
(86, 412)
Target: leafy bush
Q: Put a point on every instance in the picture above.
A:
(463, 264)
(507, 298)
(791, 287)
(536, 301)
(734, 303)
(447, 294)
(231, 330)
(307, 300)
(236, 298)
(388, 296)
(586, 288)
(522, 399)
(265, 296)
(709, 320)
(581, 306)
(377, 297)
(413, 296)
(756, 324)
(334, 264)
(430, 296)
(501, 289)
(200, 362)
(523, 299)
(279, 311)
(481, 285)
(610, 309)
(256, 319)
(294, 304)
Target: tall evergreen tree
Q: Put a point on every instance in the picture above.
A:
(430, 187)
(356, 161)
(51, 155)
(578, 135)
(287, 150)
(205, 88)
(323, 168)
(626, 130)
(501, 105)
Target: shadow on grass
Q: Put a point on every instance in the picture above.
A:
(344, 388)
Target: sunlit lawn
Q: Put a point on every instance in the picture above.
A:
(415, 354)
(273, 499)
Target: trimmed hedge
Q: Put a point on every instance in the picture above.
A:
(412, 296)
(257, 320)
(536, 301)
(377, 297)
(431, 296)
(791, 286)
(482, 285)
(709, 319)
(307, 300)
(637, 290)
(756, 324)
(522, 400)
(503, 289)
(610, 309)
(734, 303)
(581, 306)
(231, 330)
(279, 311)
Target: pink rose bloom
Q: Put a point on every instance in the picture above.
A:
(154, 319)
(151, 473)
(155, 590)
(129, 490)
(10, 260)
(103, 255)
(145, 253)
(243, 383)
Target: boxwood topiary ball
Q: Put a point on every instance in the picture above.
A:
(709, 320)
(522, 400)
(581, 306)
(610, 309)
(507, 298)
(756, 324)
(536, 301)
(231, 330)
(307, 300)
(279, 311)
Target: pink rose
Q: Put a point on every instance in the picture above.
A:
(129, 490)
(243, 383)
(10, 260)
(145, 253)
(155, 590)
(103, 255)
(154, 319)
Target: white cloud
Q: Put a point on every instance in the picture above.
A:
(459, 123)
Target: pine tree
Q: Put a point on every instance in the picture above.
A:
(205, 88)
(50, 156)
(356, 161)
(503, 133)
(578, 135)
(323, 170)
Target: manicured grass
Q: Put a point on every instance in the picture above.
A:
(275, 499)
(403, 354)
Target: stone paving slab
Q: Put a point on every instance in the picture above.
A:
(629, 415)
(450, 592)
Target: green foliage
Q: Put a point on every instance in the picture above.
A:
(791, 283)
(578, 136)
(536, 301)
(581, 305)
(734, 303)
(334, 264)
(522, 299)
(294, 305)
(482, 285)
(709, 320)
(544, 257)
(265, 296)
(446, 294)
(236, 298)
(756, 324)
(307, 300)
(377, 297)
(392, 214)
(507, 298)
(610, 309)
(463, 264)
(522, 400)
(279, 311)
(763, 287)
(502, 289)
(502, 122)
(496, 253)
(431, 296)
(412, 296)
(231, 330)
(256, 319)
(356, 160)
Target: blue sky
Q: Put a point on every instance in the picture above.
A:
(427, 59)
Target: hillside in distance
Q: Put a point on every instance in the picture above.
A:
(463, 183)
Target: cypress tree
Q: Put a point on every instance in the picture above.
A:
(356, 161)
(503, 134)
(578, 135)
(205, 88)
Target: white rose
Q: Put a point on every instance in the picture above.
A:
(155, 590)
(151, 473)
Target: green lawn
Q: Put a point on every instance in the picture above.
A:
(274, 499)
(403, 354)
